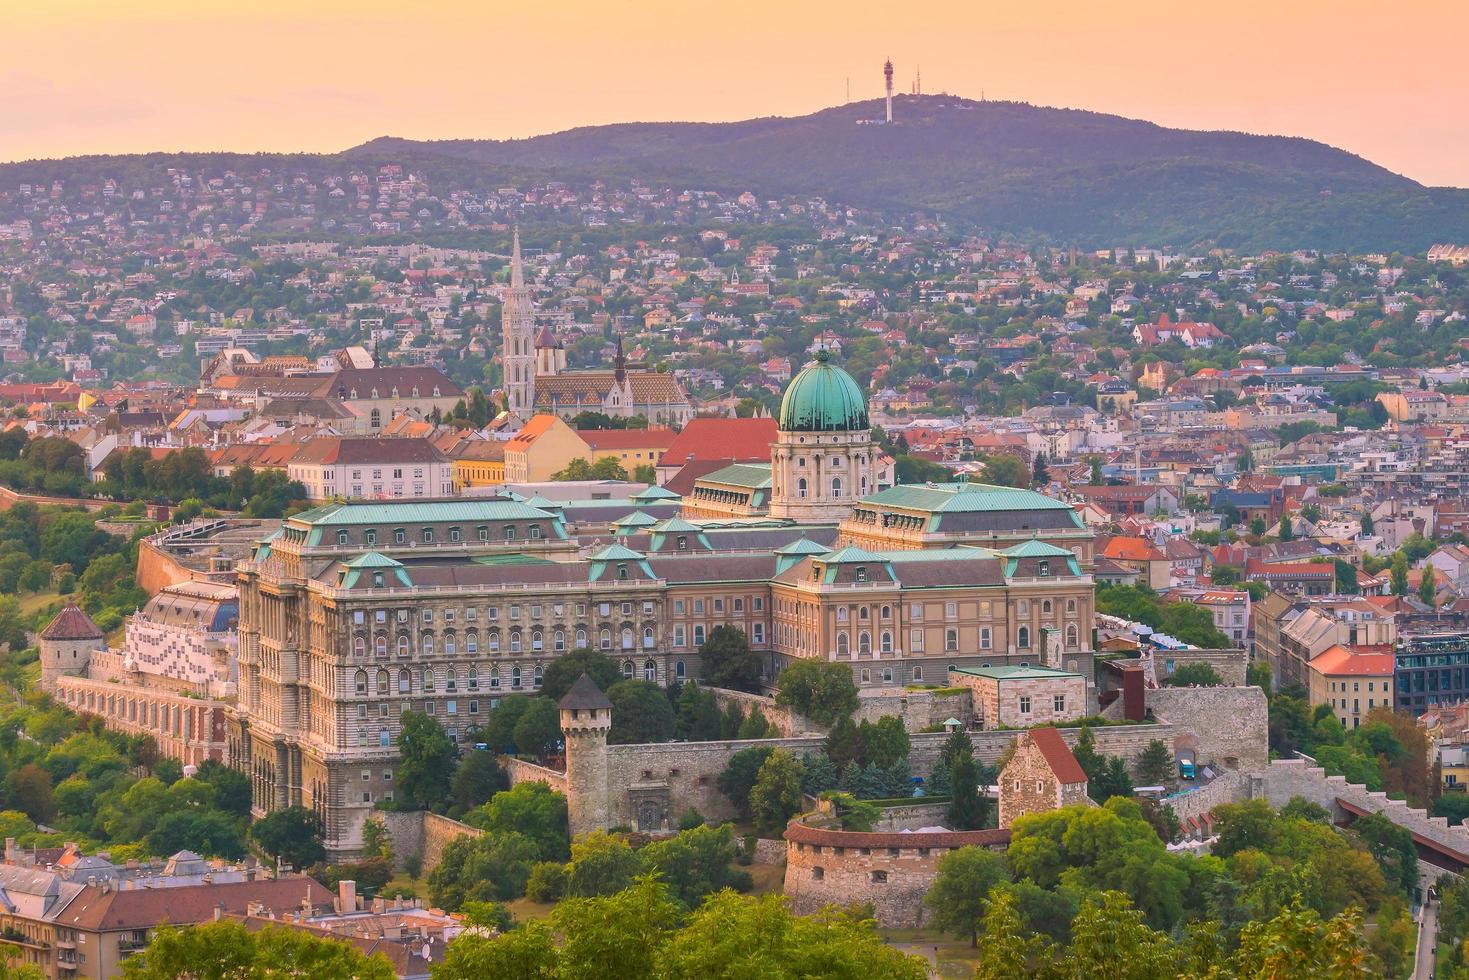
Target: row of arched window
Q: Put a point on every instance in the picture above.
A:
(427, 535)
(535, 640)
(383, 681)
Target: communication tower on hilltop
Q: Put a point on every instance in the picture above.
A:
(887, 74)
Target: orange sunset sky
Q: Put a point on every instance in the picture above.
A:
(1384, 80)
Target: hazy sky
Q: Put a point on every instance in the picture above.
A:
(92, 76)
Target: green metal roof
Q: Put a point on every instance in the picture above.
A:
(1014, 673)
(916, 555)
(822, 398)
(801, 546)
(754, 476)
(959, 498)
(616, 552)
(676, 525)
(424, 512)
(655, 492)
(512, 558)
(637, 518)
(372, 562)
(373, 559)
(1036, 548)
(852, 555)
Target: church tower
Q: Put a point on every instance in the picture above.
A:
(518, 323)
(550, 354)
(823, 459)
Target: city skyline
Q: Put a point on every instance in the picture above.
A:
(165, 76)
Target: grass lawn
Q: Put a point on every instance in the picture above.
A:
(524, 910)
(768, 878)
(36, 601)
(955, 957)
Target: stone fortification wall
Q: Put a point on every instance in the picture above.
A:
(1226, 726)
(787, 722)
(1230, 664)
(1229, 787)
(687, 771)
(919, 709)
(157, 569)
(1287, 778)
(891, 871)
(521, 771)
(916, 816)
(418, 832)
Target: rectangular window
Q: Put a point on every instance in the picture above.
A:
(1058, 703)
(1025, 704)
(986, 642)
(915, 640)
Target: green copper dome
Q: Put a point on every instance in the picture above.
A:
(823, 398)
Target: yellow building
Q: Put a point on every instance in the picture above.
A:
(480, 463)
(542, 448)
(630, 447)
(1352, 680)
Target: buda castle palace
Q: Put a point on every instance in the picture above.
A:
(354, 612)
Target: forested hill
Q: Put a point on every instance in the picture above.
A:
(1061, 175)
(1067, 175)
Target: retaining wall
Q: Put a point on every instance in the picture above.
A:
(422, 833)
(1287, 778)
(521, 771)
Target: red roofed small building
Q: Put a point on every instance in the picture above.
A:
(1353, 680)
(1042, 775)
(1300, 577)
(1137, 554)
(1189, 333)
(630, 447)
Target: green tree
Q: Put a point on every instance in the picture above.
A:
(376, 841)
(1453, 806)
(820, 690)
(1399, 574)
(640, 713)
(1040, 473)
(562, 672)
(1005, 951)
(696, 863)
(621, 935)
(493, 867)
(1344, 576)
(738, 777)
(728, 661)
(220, 950)
(1286, 532)
(1155, 765)
(231, 787)
(477, 779)
(960, 897)
(1427, 592)
(601, 864)
(967, 809)
(537, 730)
(1197, 674)
(776, 795)
(526, 953)
(1005, 470)
(292, 836)
(698, 714)
(533, 810)
(426, 759)
(736, 936)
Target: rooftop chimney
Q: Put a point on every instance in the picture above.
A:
(347, 895)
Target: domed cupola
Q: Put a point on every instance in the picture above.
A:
(823, 398)
(823, 458)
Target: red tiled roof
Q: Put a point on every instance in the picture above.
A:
(737, 440)
(1339, 659)
(1058, 755)
(608, 440)
(72, 624)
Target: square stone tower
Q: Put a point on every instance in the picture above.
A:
(586, 720)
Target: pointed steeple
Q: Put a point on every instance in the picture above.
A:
(619, 364)
(517, 268)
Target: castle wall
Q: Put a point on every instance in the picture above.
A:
(421, 833)
(1230, 664)
(1227, 726)
(521, 771)
(892, 872)
(685, 773)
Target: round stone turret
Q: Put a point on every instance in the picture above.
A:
(586, 720)
(66, 645)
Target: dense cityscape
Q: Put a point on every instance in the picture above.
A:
(414, 567)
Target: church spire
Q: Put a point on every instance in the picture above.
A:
(517, 269)
(619, 364)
